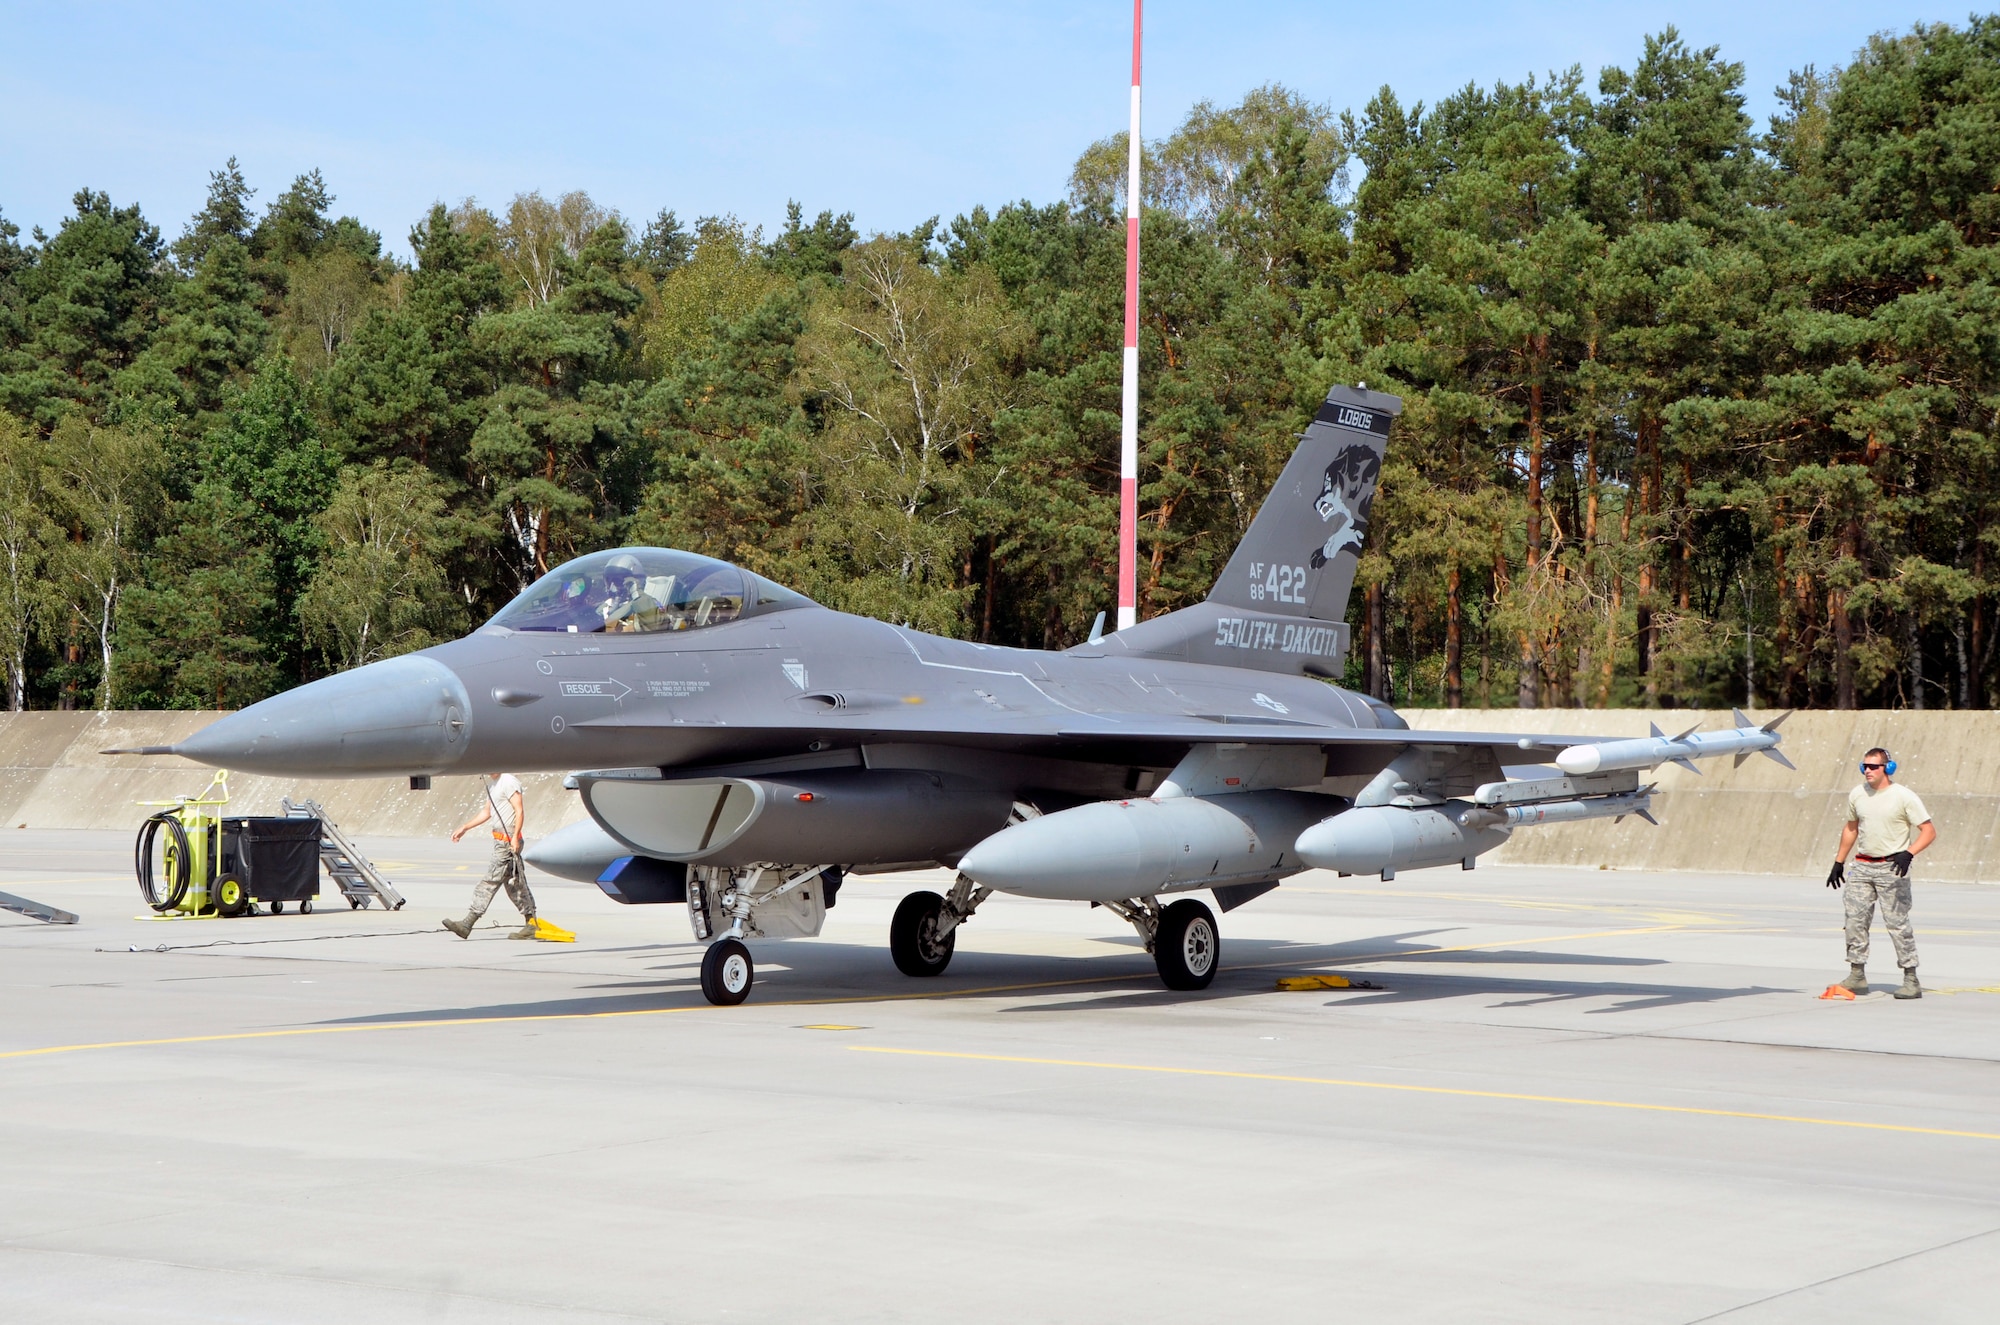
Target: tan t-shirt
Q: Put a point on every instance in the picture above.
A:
(500, 794)
(1889, 819)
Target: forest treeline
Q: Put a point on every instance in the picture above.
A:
(1696, 412)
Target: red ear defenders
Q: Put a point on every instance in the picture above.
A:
(1889, 767)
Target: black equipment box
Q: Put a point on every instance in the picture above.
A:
(276, 858)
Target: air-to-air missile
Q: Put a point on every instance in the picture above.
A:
(742, 750)
(1743, 740)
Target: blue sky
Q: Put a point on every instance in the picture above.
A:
(893, 110)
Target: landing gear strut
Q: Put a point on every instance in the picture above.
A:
(1183, 938)
(924, 932)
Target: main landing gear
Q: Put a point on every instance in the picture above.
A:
(1183, 938)
(924, 932)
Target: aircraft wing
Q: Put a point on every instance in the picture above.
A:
(1233, 727)
(956, 726)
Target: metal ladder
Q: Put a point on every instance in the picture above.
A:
(49, 915)
(360, 882)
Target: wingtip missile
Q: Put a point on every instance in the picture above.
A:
(1659, 748)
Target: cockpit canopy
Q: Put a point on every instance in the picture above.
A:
(639, 590)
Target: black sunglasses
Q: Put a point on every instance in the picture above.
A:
(1866, 767)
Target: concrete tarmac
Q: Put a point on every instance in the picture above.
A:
(1576, 1095)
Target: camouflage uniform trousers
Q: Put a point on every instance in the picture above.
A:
(505, 869)
(1868, 883)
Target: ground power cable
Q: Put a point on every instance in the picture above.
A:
(309, 938)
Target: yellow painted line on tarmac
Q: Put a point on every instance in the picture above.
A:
(1532, 904)
(1459, 1091)
(290, 1032)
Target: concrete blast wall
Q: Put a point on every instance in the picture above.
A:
(1760, 818)
(52, 776)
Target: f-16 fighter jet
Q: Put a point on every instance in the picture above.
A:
(744, 749)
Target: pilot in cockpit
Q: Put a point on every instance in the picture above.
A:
(628, 606)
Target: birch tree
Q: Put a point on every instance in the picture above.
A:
(25, 530)
(104, 485)
(380, 589)
(907, 362)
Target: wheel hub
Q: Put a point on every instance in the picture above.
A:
(1198, 948)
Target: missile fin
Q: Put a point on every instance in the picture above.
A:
(1658, 735)
(1688, 764)
(1741, 755)
(1647, 815)
(1738, 717)
(1772, 725)
(1773, 754)
(1689, 732)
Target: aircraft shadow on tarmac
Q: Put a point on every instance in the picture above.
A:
(835, 972)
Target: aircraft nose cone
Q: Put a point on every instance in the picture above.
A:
(407, 715)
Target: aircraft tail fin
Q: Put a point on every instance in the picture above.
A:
(1281, 602)
(1298, 558)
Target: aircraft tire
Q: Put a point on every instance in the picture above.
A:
(1187, 949)
(913, 940)
(727, 973)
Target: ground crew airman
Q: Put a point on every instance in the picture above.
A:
(1887, 828)
(506, 808)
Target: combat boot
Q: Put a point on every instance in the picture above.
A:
(1857, 979)
(462, 928)
(526, 931)
(1910, 989)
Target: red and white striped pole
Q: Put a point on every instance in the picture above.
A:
(1128, 439)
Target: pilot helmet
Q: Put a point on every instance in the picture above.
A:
(622, 567)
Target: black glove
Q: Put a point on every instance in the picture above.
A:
(1901, 860)
(1835, 875)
